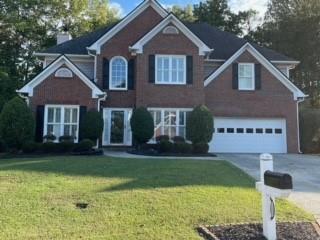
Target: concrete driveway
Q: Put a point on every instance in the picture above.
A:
(305, 171)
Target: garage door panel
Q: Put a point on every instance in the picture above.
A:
(241, 135)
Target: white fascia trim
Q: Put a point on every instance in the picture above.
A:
(156, 6)
(28, 88)
(138, 46)
(53, 55)
(267, 64)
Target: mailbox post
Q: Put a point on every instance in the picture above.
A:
(272, 185)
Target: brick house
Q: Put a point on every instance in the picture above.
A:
(151, 59)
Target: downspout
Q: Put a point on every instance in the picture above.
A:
(298, 124)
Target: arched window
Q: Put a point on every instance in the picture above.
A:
(63, 73)
(118, 73)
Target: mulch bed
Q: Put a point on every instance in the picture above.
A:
(285, 231)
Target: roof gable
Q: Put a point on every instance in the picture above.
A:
(203, 48)
(96, 46)
(266, 63)
(62, 60)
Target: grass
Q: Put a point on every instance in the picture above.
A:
(128, 198)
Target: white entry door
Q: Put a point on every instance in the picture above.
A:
(248, 135)
(117, 130)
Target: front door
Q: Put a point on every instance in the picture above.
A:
(117, 130)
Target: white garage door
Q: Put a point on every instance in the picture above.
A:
(248, 135)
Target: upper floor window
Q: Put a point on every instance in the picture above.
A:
(118, 73)
(170, 69)
(63, 73)
(246, 76)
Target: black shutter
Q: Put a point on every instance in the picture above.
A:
(131, 74)
(235, 80)
(83, 111)
(152, 60)
(257, 71)
(39, 123)
(105, 80)
(189, 69)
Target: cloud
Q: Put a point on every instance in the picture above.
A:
(118, 8)
(241, 5)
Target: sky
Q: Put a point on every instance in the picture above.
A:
(125, 6)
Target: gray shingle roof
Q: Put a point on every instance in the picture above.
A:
(225, 44)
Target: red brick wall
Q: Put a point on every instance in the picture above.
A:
(152, 95)
(119, 46)
(274, 100)
(67, 91)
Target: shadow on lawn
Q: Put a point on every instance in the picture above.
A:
(138, 173)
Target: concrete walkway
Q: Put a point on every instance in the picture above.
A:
(305, 171)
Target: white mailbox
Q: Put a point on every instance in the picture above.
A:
(272, 185)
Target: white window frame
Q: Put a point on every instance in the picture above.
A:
(170, 69)
(252, 79)
(177, 110)
(62, 124)
(111, 74)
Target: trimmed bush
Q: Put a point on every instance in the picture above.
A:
(84, 146)
(30, 147)
(142, 125)
(92, 125)
(178, 139)
(17, 124)
(49, 138)
(49, 147)
(200, 125)
(166, 146)
(65, 147)
(162, 138)
(201, 148)
(183, 147)
(3, 146)
(66, 138)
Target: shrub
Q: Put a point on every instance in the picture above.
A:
(65, 147)
(49, 138)
(92, 125)
(201, 148)
(49, 147)
(66, 138)
(30, 147)
(178, 139)
(162, 138)
(310, 130)
(142, 125)
(3, 146)
(200, 125)
(17, 124)
(84, 146)
(183, 147)
(166, 147)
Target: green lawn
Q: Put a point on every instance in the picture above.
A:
(128, 198)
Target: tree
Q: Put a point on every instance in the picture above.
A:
(17, 124)
(142, 125)
(92, 125)
(292, 27)
(217, 13)
(28, 26)
(185, 14)
(200, 125)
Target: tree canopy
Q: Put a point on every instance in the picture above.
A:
(27, 26)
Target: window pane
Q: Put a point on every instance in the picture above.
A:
(66, 131)
(245, 83)
(74, 115)
(249, 130)
(74, 130)
(67, 115)
(278, 131)
(220, 130)
(269, 130)
(240, 130)
(259, 130)
(230, 130)
(182, 132)
(182, 118)
(53, 129)
(50, 115)
(58, 115)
